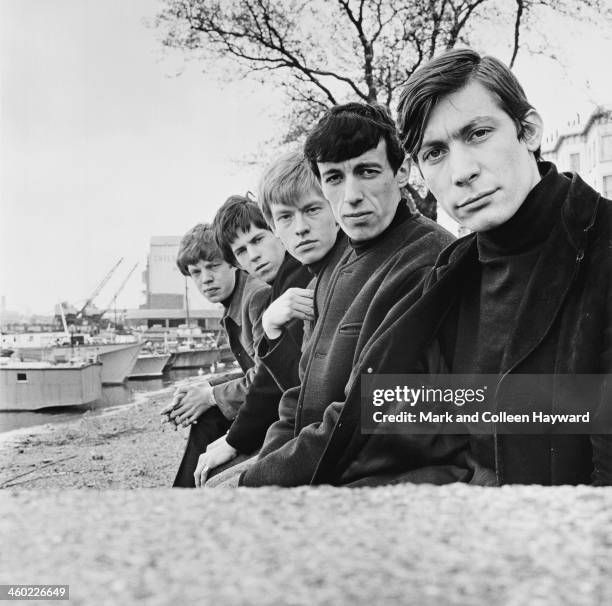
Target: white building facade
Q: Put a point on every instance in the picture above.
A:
(585, 149)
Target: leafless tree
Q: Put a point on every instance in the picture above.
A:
(324, 52)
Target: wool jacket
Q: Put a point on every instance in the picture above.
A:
(275, 355)
(260, 407)
(563, 326)
(362, 290)
(242, 323)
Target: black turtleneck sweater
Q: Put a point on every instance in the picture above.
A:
(507, 254)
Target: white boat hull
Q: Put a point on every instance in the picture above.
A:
(118, 359)
(194, 358)
(149, 366)
(32, 386)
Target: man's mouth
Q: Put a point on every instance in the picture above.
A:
(357, 215)
(211, 291)
(476, 198)
(261, 267)
(305, 243)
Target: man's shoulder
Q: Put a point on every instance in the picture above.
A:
(421, 240)
(256, 292)
(426, 228)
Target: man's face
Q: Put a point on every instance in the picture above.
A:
(259, 252)
(308, 230)
(214, 279)
(363, 192)
(472, 160)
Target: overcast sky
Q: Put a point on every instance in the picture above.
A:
(106, 141)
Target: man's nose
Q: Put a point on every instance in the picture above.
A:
(253, 252)
(464, 167)
(206, 277)
(352, 191)
(301, 226)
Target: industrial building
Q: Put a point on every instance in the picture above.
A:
(170, 297)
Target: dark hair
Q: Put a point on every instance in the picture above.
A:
(349, 130)
(448, 73)
(198, 244)
(238, 213)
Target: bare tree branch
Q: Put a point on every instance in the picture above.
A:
(517, 30)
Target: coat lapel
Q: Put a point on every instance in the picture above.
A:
(553, 274)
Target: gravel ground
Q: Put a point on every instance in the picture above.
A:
(124, 447)
(422, 545)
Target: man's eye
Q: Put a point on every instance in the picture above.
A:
(369, 172)
(432, 155)
(239, 252)
(283, 218)
(333, 179)
(480, 133)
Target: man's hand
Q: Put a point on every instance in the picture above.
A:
(189, 403)
(211, 459)
(293, 303)
(218, 442)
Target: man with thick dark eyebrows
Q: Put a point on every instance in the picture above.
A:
(529, 292)
(355, 153)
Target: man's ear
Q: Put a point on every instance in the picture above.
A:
(532, 127)
(403, 172)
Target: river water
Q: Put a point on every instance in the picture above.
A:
(112, 395)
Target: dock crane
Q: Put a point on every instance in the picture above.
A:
(98, 288)
(113, 301)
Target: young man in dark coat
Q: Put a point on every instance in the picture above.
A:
(530, 291)
(355, 153)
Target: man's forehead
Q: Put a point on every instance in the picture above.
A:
(470, 104)
(376, 154)
(243, 236)
(204, 263)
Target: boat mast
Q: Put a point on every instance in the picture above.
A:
(187, 307)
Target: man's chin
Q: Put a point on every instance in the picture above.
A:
(363, 234)
(311, 257)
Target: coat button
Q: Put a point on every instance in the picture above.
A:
(370, 370)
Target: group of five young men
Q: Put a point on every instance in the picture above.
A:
(333, 277)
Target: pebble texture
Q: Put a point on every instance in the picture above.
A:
(406, 544)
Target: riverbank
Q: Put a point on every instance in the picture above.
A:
(122, 447)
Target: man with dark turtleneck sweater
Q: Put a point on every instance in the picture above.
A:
(529, 292)
(355, 153)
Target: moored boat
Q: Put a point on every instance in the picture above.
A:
(194, 358)
(118, 359)
(36, 385)
(149, 365)
(226, 355)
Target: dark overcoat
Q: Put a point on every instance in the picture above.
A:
(563, 326)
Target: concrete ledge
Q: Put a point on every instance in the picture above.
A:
(397, 545)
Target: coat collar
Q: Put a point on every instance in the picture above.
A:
(552, 276)
(234, 309)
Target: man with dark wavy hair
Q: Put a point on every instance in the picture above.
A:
(529, 292)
